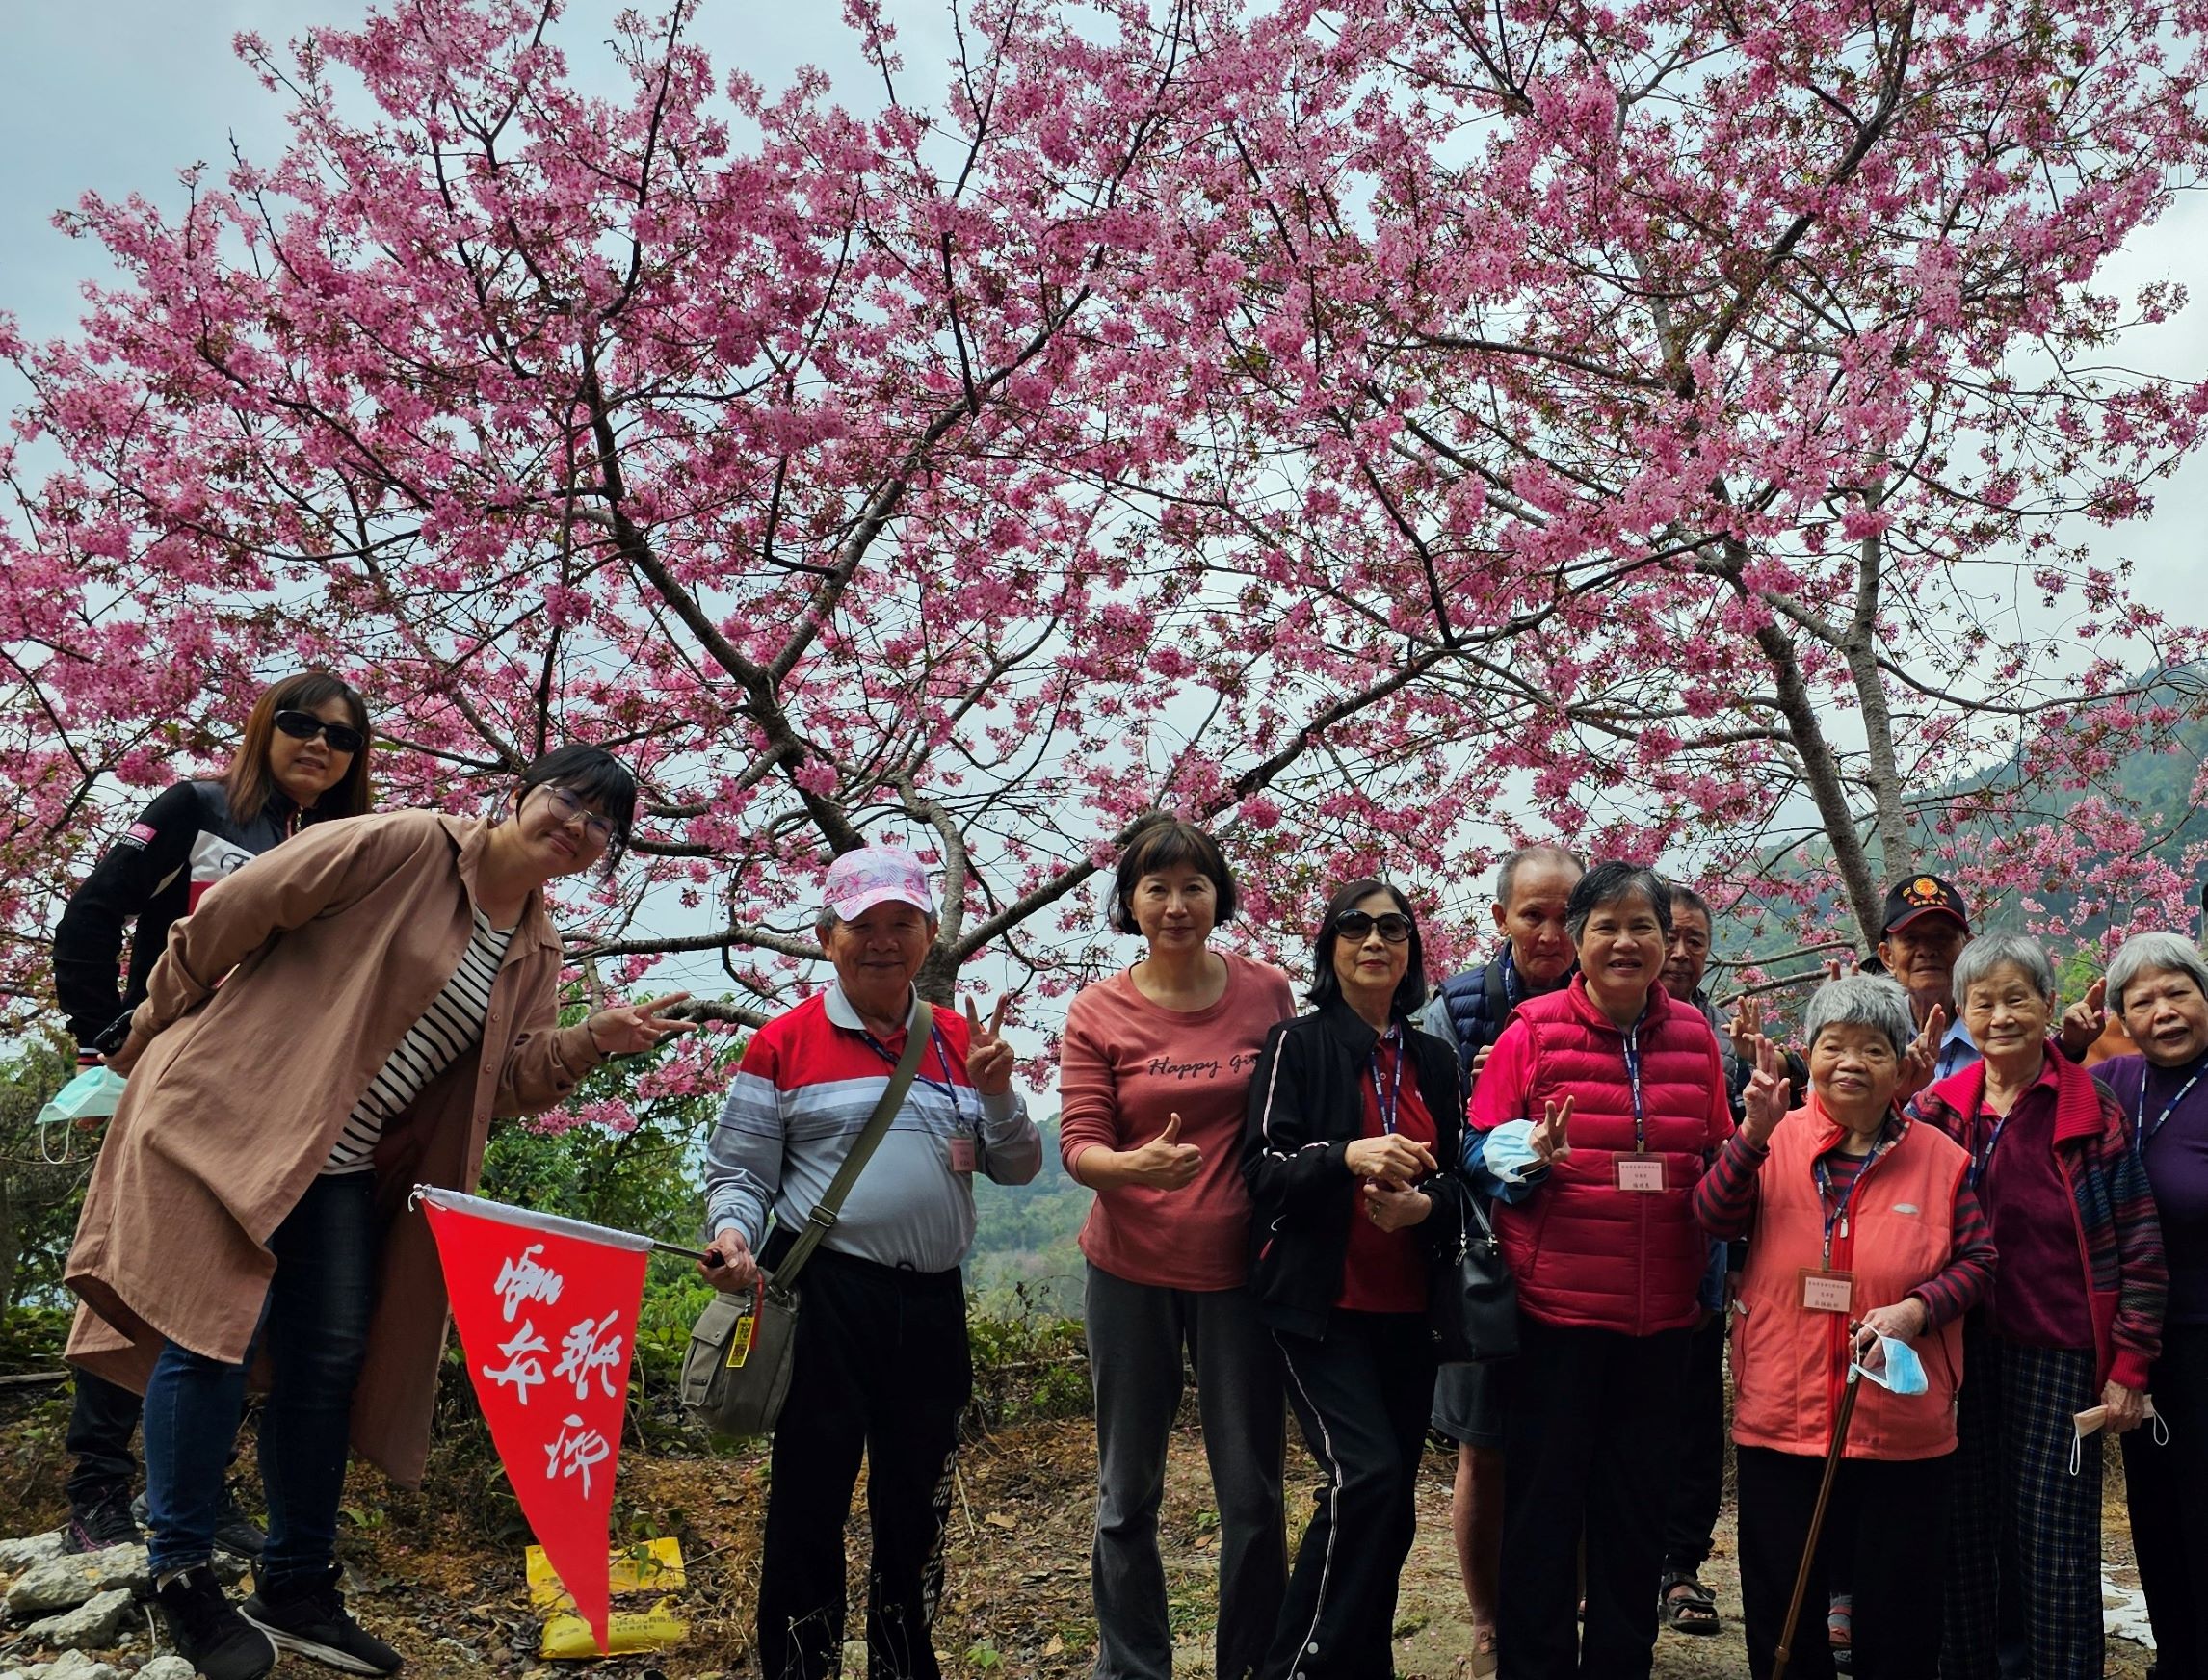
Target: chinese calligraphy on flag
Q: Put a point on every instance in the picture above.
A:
(546, 1309)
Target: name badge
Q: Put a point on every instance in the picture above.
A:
(1833, 1292)
(1640, 1171)
(962, 1155)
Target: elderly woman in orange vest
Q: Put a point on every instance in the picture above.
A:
(1593, 1119)
(1861, 1224)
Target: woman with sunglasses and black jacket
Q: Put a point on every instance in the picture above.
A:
(1351, 1153)
(303, 758)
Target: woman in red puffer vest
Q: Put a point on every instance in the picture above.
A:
(1594, 1118)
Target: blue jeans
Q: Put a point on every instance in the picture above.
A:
(315, 1325)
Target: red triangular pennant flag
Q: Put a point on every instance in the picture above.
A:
(546, 1309)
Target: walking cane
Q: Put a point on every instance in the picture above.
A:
(1784, 1654)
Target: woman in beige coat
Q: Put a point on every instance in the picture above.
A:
(335, 1022)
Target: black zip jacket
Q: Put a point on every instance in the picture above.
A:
(183, 842)
(1306, 1107)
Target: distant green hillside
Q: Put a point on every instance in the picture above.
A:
(1024, 1235)
(2157, 786)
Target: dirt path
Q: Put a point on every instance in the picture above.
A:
(440, 1573)
(1034, 1552)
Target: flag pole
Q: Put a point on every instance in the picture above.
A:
(574, 1227)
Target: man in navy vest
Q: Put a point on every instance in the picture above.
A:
(1685, 1604)
(1469, 1013)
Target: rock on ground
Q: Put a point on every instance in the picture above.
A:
(65, 1582)
(91, 1626)
(21, 1554)
(77, 1665)
(167, 1666)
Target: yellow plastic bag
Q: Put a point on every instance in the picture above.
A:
(654, 1567)
(629, 1631)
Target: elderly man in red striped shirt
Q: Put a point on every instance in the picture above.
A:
(879, 1365)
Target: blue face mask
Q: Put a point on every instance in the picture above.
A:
(1902, 1371)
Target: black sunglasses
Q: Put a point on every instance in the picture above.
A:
(1394, 927)
(306, 726)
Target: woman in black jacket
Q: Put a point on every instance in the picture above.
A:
(304, 757)
(1352, 1151)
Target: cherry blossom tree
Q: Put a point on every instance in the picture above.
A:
(1759, 348)
(1374, 430)
(826, 463)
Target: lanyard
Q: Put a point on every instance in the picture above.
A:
(1836, 1207)
(1633, 1078)
(1390, 1099)
(1981, 1161)
(945, 1085)
(1514, 993)
(2144, 1131)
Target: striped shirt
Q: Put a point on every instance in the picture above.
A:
(1727, 1202)
(451, 1024)
(802, 1095)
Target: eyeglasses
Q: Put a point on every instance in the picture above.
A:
(1356, 924)
(306, 726)
(567, 807)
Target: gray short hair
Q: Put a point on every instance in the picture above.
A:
(2146, 953)
(1991, 951)
(1862, 1000)
(1686, 898)
(1507, 877)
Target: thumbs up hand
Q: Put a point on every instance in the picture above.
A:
(1164, 1162)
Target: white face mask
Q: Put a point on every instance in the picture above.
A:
(2090, 1421)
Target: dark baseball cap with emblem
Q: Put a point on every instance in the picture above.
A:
(1919, 896)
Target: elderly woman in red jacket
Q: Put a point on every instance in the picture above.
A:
(1861, 1224)
(1593, 1120)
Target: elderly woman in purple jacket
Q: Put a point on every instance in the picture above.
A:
(2158, 985)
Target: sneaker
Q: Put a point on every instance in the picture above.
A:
(103, 1523)
(236, 1533)
(209, 1633)
(312, 1621)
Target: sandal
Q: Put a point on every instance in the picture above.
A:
(1686, 1607)
(1840, 1631)
(1484, 1662)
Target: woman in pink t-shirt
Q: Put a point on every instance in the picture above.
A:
(1153, 1079)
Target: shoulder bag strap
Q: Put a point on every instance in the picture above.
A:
(822, 1219)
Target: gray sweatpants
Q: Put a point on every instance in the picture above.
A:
(1137, 1332)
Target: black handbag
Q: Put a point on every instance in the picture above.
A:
(1472, 1299)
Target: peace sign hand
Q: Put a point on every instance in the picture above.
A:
(2083, 1021)
(988, 1058)
(627, 1029)
(1551, 1139)
(1923, 1056)
(1745, 1028)
(1767, 1098)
